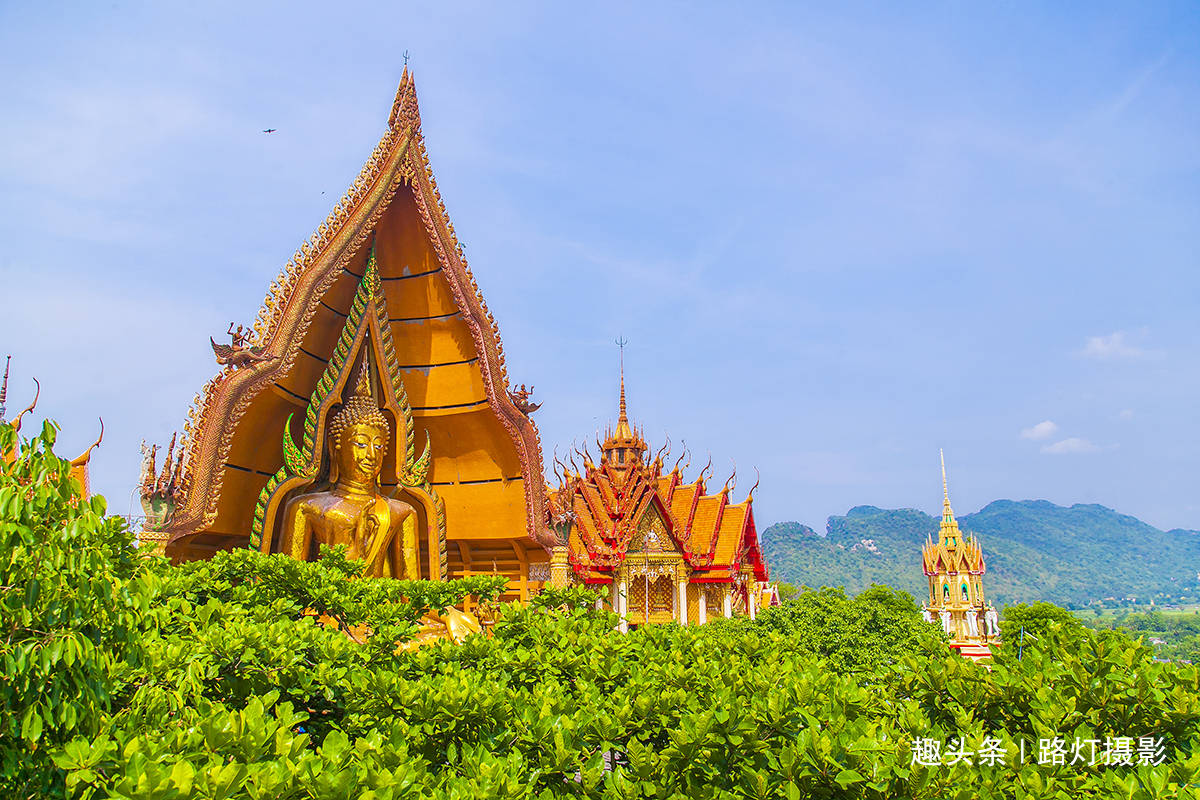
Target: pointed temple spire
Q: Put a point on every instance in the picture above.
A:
(4, 388)
(949, 534)
(945, 486)
(660, 546)
(471, 517)
(623, 429)
(621, 417)
(623, 445)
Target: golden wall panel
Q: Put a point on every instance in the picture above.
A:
(263, 450)
(402, 244)
(443, 387)
(236, 509)
(300, 382)
(424, 342)
(465, 447)
(493, 510)
(423, 296)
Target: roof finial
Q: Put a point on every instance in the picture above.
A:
(949, 533)
(4, 388)
(621, 342)
(945, 486)
(16, 423)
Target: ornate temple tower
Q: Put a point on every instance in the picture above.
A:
(954, 566)
(383, 282)
(663, 549)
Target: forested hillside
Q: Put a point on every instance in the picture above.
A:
(1035, 550)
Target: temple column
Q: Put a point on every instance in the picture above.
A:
(751, 599)
(728, 601)
(681, 581)
(559, 573)
(703, 603)
(623, 603)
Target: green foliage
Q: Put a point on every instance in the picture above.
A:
(555, 706)
(860, 634)
(1187, 649)
(220, 682)
(1174, 635)
(1035, 550)
(787, 591)
(330, 586)
(571, 597)
(1042, 620)
(71, 599)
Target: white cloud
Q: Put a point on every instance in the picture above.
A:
(1126, 413)
(1043, 430)
(1114, 345)
(1070, 446)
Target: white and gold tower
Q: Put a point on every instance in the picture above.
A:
(954, 566)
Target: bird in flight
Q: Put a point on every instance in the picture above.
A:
(269, 130)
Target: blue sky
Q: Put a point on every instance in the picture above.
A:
(835, 239)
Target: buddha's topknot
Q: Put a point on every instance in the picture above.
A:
(358, 409)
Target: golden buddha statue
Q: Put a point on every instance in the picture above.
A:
(352, 511)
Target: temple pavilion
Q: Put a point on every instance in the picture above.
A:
(381, 291)
(955, 566)
(661, 547)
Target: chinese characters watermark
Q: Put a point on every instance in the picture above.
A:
(1055, 751)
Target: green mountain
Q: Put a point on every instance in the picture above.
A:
(1034, 549)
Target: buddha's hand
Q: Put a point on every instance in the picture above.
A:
(373, 527)
(368, 529)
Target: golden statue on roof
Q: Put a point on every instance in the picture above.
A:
(238, 352)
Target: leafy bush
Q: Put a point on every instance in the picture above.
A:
(1041, 620)
(219, 680)
(860, 634)
(72, 595)
(1174, 635)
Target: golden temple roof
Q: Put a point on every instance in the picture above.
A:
(485, 462)
(951, 553)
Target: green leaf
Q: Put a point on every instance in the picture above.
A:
(182, 775)
(31, 725)
(849, 776)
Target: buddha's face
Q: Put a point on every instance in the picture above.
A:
(360, 455)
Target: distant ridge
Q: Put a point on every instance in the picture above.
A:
(1035, 550)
